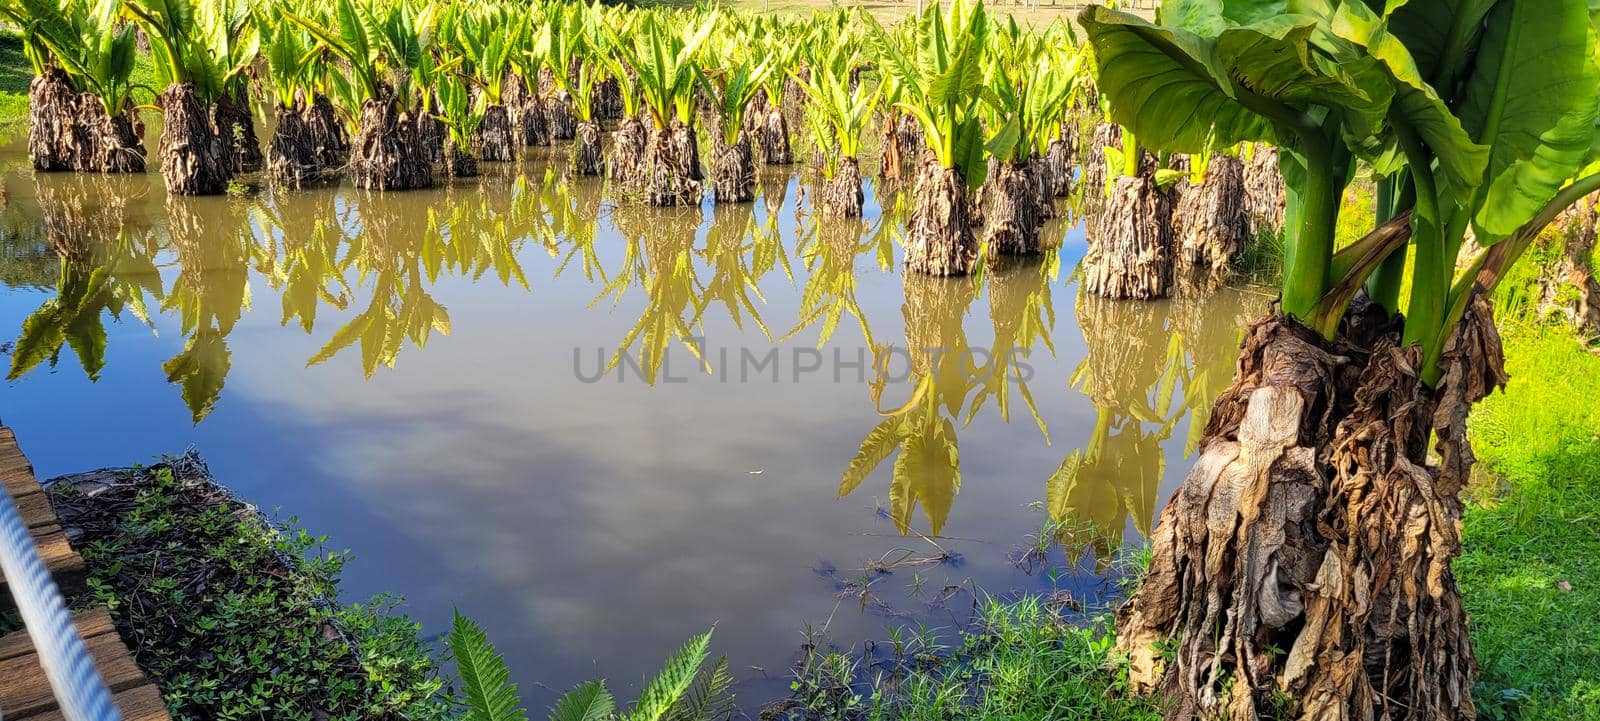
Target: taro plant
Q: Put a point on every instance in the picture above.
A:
(843, 114)
(201, 51)
(1025, 94)
(733, 76)
(1482, 117)
(662, 57)
(568, 41)
(77, 46)
(939, 79)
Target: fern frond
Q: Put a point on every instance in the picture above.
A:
(590, 701)
(490, 695)
(674, 679)
(708, 698)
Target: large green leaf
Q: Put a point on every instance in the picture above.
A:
(1531, 100)
(1211, 17)
(1275, 58)
(1416, 103)
(1440, 33)
(1168, 85)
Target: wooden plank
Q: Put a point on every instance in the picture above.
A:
(65, 565)
(27, 692)
(92, 622)
(142, 703)
(35, 509)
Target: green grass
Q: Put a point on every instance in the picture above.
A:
(1534, 531)
(1021, 662)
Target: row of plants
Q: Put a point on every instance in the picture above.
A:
(976, 116)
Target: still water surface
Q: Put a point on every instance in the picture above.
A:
(423, 377)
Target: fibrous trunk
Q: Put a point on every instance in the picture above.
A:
(327, 133)
(237, 129)
(1094, 166)
(1567, 281)
(775, 138)
(292, 154)
(607, 99)
(672, 166)
(194, 158)
(1208, 222)
(733, 175)
(939, 237)
(527, 112)
(1130, 256)
(1058, 156)
(1263, 191)
(625, 164)
(459, 162)
(68, 130)
(841, 196)
(586, 158)
(1302, 570)
(559, 121)
(496, 140)
(390, 152)
(891, 159)
(1011, 216)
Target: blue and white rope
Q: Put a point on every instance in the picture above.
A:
(80, 692)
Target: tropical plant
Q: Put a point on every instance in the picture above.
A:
(733, 76)
(1482, 116)
(76, 47)
(939, 79)
(843, 113)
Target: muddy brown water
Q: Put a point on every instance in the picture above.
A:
(423, 377)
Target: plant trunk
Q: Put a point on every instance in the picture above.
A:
(1130, 256)
(673, 167)
(1208, 221)
(558, 118)
(459, 162)
(1094, 166)
(625, 165)
(939, 237)
(237, 128)
(733, 176)
(1058, 156)
(194, 158)
(391, 149)
(586, 157)
(68, 130)
(1263, 192)
(1302, 570)
(794, 94)
(607, 100)
(527, 113)
(841, 196)
(327, 134)
(1567, 281)
(891, 159)
(292, 154)
(775, 138)
(496, 140)
(1011, 217)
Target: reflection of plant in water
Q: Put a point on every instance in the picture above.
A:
(1139, 354)
(740, 252)
(209, 296)
(829, 254)
(100, 270)
(1023, 316)
(927, 470)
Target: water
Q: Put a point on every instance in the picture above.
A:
(422, 377)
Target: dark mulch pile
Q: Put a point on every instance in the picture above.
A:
(230, 616)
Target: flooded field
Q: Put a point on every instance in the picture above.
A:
(601, 429)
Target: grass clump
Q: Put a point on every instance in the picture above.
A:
(232, 618)
(1532, 532)
(1020, 661)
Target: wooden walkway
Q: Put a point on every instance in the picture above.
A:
(24, 691)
